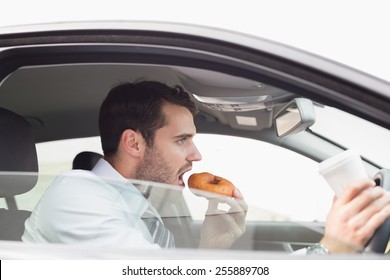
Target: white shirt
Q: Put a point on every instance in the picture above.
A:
(98, 207)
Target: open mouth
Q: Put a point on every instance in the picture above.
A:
(181, 182)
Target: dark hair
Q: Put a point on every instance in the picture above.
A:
(137, 106)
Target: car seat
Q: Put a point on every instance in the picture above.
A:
(86, 160)
(18, 171)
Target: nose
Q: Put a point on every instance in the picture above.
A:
(194, 155)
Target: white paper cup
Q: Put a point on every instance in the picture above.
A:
(341, 169)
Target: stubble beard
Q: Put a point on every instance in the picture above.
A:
(155, 168)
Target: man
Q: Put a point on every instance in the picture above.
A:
(147, 131)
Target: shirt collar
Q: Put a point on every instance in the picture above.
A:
(131, 194)
(105, 170)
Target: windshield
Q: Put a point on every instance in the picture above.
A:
(354, 133)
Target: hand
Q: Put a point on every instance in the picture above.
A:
(354, 217)
(221, 228)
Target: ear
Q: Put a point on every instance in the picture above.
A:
(131, 142)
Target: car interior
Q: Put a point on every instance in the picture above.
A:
(228, 104)
(71, 94)
(18, 154)
(86, 160)
(67, 97)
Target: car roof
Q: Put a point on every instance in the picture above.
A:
(330, 30)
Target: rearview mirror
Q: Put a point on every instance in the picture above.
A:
(296, 116)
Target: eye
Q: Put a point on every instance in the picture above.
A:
(181, 140)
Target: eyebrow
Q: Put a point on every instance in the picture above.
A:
(184, 135)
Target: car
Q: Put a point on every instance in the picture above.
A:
(56, 76)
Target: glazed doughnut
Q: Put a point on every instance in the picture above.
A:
(208, 182)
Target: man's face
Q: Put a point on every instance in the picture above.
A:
(173, 150)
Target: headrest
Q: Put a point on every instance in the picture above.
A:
(17, 153)
(86, 160)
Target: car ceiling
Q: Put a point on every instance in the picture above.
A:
(63, 95)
